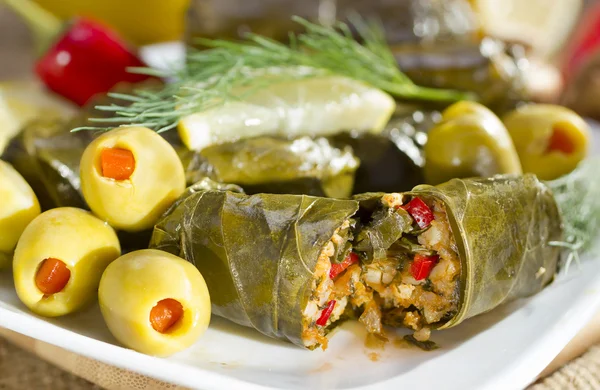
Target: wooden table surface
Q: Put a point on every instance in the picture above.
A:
(15, 63)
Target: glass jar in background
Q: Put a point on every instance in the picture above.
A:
(403, 20)
(436, 42)
(141, 22)
(231, 19)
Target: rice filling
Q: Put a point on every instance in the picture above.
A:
(415, 282)
(329, 295)
(401, 270)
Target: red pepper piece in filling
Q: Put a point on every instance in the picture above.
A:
(422, 266)
(88, 59)
(338, 268)
(420, 212)
(322, 321)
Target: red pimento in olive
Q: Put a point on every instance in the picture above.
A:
(116, 163)
(165, 314)
(52, 276)
(560, 141)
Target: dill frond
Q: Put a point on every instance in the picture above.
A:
(215, 76)
(578, 197)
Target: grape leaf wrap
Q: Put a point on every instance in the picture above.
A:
(502, 227)
(257, 253)
(275, 165)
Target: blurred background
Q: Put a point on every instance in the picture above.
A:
(545, 50)
(506, 51)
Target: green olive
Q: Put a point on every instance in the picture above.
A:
(141, 290)
(60, 258)
(466, 107)
(131, 186)
(18, 207)
(551, 140)
(469, 141)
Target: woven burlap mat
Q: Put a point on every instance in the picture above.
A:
(25, 364)
(22, 366)
(22, 370)
(582, 373)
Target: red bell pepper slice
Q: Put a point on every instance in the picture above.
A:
(338, 268)
(584, 42)
(420, 212)
(88, 59)
(322, 321)
(422, 266)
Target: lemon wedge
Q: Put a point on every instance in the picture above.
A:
(318, 106)
(23, 101)
(9, 121)
(542, 24)
(18, 207)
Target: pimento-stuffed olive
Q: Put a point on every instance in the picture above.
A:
(551, 140)
(466, 107)
(154, 302)
(18, 206)
(60, 258)
(130, 176)
(470, 141)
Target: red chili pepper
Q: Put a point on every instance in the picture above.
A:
(421, 213)
(338, 268)
(88, 59)
(422, 266)
(322, 321)
(584, 42)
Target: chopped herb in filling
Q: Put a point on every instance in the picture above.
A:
(329, 297)
(401, 269)
(414, 279)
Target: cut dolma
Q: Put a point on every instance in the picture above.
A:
(266, 258)
(425, 259)
(473, 245)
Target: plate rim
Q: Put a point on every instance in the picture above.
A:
(543, 351)
(538, 355)
(152, 366)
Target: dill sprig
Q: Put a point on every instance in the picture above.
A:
(216, 75)
(578, 197)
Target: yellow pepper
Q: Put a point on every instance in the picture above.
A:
(141, 22)
(22, 101)
(551, 140)
(469, 141)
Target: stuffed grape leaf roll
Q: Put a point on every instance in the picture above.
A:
(266, 258)
(469, 246)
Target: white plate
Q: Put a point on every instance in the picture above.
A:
(504, 349)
